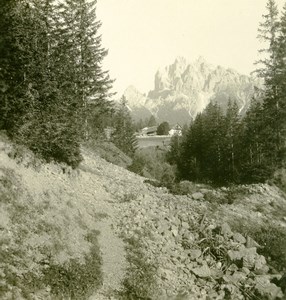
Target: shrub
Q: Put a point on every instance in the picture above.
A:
(138, 165)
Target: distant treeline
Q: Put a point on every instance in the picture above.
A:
(226, 148)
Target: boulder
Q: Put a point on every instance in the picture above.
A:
(250, 242)
(203, 271)
(239, 238)
(249, 260)
(260, 265)
(194, 253)
(185, 225)
(198, 196)
(266, 288)
(226, 230)
(235, 278)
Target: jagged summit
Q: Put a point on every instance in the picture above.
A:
(183, 89)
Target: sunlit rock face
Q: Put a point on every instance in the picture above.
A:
(182, 90)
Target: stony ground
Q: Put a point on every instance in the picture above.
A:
(170, 230)
(159, 245)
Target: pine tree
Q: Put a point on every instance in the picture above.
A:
(189, 162)
(20, 32)
(92, 84)
(152, 121)
(124, 135)
(255, 154)
(273, 72)
(231, 141)
(267, 33)
(281, 82)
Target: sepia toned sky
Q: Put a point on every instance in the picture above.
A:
(143, 35)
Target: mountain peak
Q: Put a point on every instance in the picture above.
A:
(180, 60)
(201, 60)
(131, 88)
(134, 97)
(183, 89)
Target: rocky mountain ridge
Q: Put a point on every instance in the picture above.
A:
(183, 89)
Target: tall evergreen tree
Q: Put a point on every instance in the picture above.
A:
(20, 32)
(254, 148)
(267, 33)
(273, 72)
(124, 134)
(92, 84)
(231, 141)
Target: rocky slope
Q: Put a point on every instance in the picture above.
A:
(153, 245)
(184, 89)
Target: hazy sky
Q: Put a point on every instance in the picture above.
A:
(143, 35)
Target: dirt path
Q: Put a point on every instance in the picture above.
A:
(112, 247)
(113, 261)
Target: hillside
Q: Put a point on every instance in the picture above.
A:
(102, 232)
(183, 89)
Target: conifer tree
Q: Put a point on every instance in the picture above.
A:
(191, 154)
(92, 84)
(124, 134)
(254, 151)
(152, 121)
(20, 48)
(231, 141)
(267, 33)
(273, 72)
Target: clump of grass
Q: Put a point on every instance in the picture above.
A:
(74, 279)
(140, 280)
